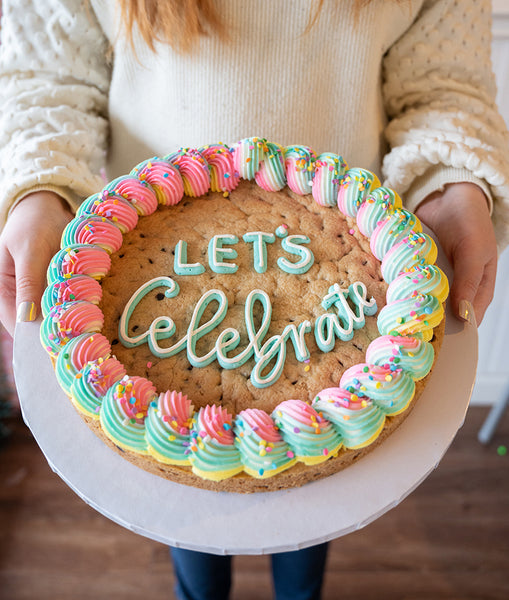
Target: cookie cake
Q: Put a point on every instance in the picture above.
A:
(245, 318)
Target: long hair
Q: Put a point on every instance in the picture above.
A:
(180, 23)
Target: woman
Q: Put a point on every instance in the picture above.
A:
(403, 87)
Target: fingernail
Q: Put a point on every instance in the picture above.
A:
(27, 311)
(466, 312)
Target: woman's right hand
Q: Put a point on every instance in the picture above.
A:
(28, 242)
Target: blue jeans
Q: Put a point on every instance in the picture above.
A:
(296, 575)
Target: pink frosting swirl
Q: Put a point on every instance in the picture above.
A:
(223, 175)
(91, 347)
(93, 230)
(176, 410)
(164, 179)
(216, 422)
(134, 395)
(76, 287)
(247, 156)
(74, 318)
(140, 193)
(301, 411)
(82, 260)
(113, 207)
(193, 169)
(271, 175)
(300, 166)
(261, 422)
(341, 397)
(103, 373)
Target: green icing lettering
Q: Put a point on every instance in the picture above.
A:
(217, 253)
(180, 264)
(292, 245)
(259, 239)
(270, 355)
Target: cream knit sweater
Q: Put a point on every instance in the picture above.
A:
(403, 88)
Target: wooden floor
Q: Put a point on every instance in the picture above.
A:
(448, 540)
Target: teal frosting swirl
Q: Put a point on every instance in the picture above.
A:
(414, 249)
(398, 224)
(421, 279)
(358, 422)
(271, 175)
(391, 391)
(260, 457)
(308, 434)
(355, 186)
(92, 229)
(124, 430)
(410, 315)
(300, 167)
(411, 354)
(329, 171)
(111, 206)
(69, 361)
(92, 382)
(169, 436)
(209, 457)
(247, 156)
(68, 320)
(377, 206)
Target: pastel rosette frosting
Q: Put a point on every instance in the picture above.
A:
(377, 206)
(247, 156)
(414, 249)
(355, 186)
(300, 168)
(419, 314)
(271, 174)
(413, 355)
(263, 451)
(76, 354)
(193, 169)
(92, 382)
(223, 175)
(164, 179)
(329, 171)
(398, 224)
(124, 410)
(168, 424)
(67, 321)
(139, 193)
(213, 452)
(420, 279)
(311, 437)
(74, 287)
(95, 230)
(113, 207)
(357, 420)
(79, 259)
(391, 391)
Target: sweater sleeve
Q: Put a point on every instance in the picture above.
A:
(444, 125)
(54, 81)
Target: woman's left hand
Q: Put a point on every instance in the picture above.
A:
(459, 217)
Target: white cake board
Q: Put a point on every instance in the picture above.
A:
(230, 523)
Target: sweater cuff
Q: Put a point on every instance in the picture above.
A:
(72, 199)
(435, 179)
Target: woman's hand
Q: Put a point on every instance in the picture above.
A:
(459, 217)
(28, 241)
